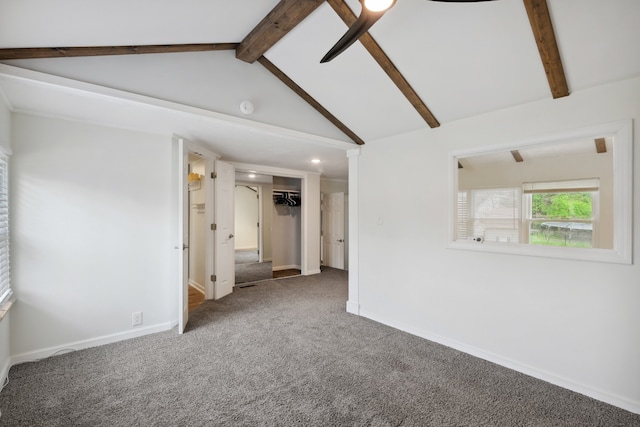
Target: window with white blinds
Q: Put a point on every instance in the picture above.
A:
(462, 230)
(5, 285)
(489, 214)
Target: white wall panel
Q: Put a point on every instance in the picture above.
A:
(90, 232)
(574, 323)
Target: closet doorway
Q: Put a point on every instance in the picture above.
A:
(267, 227)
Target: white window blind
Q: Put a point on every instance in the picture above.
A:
(462, 230)
(496, 214)
(5, 285)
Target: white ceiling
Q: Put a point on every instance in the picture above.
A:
(461, 59)
(578, 149)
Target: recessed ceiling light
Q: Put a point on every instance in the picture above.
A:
(315, 160)
(252, 175)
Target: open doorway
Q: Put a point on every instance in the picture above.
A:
(184, 154)
(250, 263)
(267, 227)
(286, 226)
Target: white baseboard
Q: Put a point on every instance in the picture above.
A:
(4, 372)
(196, 285)
(246, 249)
(312, 272)
(91, 342)
(353, 308)
(285, 267)
(560, 381)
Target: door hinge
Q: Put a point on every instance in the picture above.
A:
(214, 227)
(214, 278)
(214, 175)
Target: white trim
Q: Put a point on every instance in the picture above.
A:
(4, 371)
(549, 377)
(622, 131)
(353, 308)
(353, 267)
(6, 100)
(36, 78)
(197, 286)
(91, 342)
(312, 272)
(271, 170)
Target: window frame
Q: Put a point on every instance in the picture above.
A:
(621, 253)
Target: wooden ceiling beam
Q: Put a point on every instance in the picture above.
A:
(601, 145)
(517, 156)
(540, 20)
(282, 19)
(62, 52)
(347, 15)
(309, 99)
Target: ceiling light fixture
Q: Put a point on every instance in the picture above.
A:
(251, 175)
(315, 160)
(379, 5)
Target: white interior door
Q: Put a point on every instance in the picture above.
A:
(181, 166)
(224, 219)
(333, 230)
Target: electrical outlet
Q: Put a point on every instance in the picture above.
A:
(136, 318)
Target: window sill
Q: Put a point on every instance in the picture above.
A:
(616, 256)
(4, 308)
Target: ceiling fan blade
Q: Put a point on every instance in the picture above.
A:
(366, 19)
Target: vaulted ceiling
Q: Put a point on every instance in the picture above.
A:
(422, 65)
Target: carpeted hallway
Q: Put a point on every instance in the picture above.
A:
(249, 270)
(285, 353)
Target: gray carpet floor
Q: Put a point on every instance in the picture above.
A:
(248, 269)
(285, 353)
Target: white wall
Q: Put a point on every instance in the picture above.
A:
(90, 233)
(246, 218)
(197, 228)
(574, 323)
(334, 186)
(5, 138)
